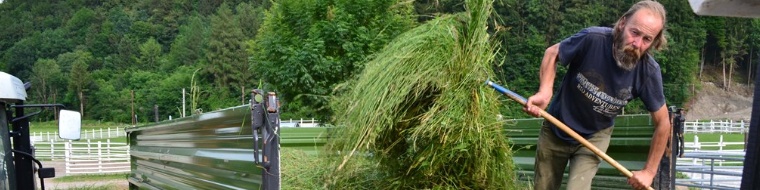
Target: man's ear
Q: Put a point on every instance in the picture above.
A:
(621, 23)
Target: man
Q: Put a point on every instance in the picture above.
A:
(606, 69)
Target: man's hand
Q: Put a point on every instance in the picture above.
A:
(536, 103)
(641, 179)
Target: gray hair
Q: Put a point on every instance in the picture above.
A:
(659, 42)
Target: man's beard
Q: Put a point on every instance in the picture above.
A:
(626, 56)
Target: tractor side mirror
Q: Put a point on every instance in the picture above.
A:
(69, 125)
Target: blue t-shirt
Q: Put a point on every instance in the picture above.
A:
(595, 89)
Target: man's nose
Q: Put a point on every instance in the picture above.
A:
(636, 43)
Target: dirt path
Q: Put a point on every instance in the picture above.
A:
(60, 171)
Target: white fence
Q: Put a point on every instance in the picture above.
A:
(711, 126)
(712, 165)
(299, 123)
(87, 157)
(86, 134)
(721, 146)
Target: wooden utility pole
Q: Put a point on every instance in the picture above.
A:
(55, 109)
(155, 112)
(242, 95)
(134, 120)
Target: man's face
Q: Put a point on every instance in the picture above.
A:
(635, 36)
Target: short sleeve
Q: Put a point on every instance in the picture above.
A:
(572, 46)
(652, 93)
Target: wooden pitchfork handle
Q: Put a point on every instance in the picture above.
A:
(565, 128)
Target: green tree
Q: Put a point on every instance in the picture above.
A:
(44, 72)
(17, 23)
(79, 76)
(225, 53)
(735, 48)
(52, 43)
(150, 53)
(188, 48)
(80, 25)
(305, 48)
(21, 57)
(250, 17)
(753, 39)
(127, 51)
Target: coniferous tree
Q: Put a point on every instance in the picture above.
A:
(225, 53)
(150, 53)
(80, 77)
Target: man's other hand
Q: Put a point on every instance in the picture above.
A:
(641, 179)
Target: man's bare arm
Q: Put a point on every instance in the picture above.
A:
(547, 72)
(642, 179)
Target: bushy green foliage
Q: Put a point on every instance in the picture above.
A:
(305, 48)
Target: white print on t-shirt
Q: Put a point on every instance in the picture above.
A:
(604, 104)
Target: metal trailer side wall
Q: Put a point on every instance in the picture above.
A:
(207, 151)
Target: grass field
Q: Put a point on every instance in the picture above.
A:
(90, 177)
(715, 137)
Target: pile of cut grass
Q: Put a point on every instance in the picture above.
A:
(420, 117)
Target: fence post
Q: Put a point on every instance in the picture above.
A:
(108, 148)
(100, 159)
(88, 147)
(67, 155)
(52, 151)
(697, 146)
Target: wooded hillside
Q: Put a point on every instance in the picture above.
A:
(92, 54)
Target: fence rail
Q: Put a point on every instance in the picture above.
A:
(91, 134)
(727, 126)
(703, 172)
(720, 145)
(299, 122)
(713, 165)
(90, 157)
(102, 158)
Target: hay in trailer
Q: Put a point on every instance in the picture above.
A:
(420, 112)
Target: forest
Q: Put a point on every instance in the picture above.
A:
(108, 59)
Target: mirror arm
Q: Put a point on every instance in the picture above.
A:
(25, 116)
(38, 106)
(34, 106)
